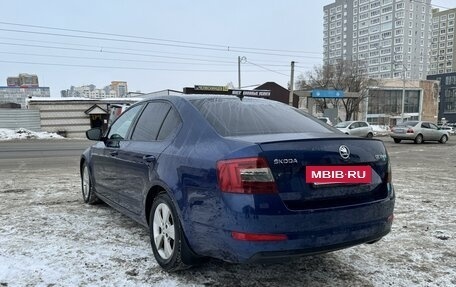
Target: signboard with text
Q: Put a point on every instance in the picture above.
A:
(327, 94)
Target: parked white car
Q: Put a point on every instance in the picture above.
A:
(356, 128)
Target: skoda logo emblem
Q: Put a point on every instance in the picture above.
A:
(344, 152)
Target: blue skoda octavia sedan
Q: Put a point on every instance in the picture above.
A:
(239, 179)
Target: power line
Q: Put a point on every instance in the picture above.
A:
(111, 52)
(277, 72)
(224, 47)
(98, 48)
(110, 59)
(151, 43)
(124, 68)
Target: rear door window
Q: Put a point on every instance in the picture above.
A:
(170, 124)
(150, 121)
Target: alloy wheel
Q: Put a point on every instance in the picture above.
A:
(164, 231)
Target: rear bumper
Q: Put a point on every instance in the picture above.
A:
(404, 136)
(275, 256)
(308, 232)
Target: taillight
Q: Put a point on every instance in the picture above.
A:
(410, 131)
(245, 175)
(258, 237)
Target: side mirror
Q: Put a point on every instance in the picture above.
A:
(94, 134)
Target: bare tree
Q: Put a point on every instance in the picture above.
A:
(349, 76)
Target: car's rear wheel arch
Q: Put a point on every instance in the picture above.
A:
(81, 164)
(419, 139)
(443, 139)
(151, 195)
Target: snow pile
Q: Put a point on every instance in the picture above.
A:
(21, 133)
(381, 130)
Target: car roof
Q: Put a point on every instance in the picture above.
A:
(197, 96)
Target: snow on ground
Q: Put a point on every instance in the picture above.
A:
(381, 130)
(48, 237)
(21, 133)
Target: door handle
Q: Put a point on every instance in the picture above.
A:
(149, 158)
(114, 153)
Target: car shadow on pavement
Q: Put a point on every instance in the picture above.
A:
(318, 270)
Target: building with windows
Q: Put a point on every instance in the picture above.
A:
(443, 52)
(384, 102)
(391, 38)
(21, 88)
(23, 80)
(117, 89)
(120, 88)
(447, 105)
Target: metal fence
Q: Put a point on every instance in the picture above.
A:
(17, 118)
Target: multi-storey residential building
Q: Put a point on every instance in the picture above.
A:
(447, 103)
(23, 80)
(120, 87)
(390, 38)
(21, 88)
(117, 89)
(443, 52)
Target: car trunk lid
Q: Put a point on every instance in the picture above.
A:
(288, 160)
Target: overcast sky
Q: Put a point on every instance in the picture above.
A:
(157, 45)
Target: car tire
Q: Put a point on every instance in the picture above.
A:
(397, 140)
(169, 245)
(370, 135)
(88, 191)
(419, 139)
(443, 139)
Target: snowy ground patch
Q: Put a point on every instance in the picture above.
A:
(381, 130)
(49, 237)
(21, 133)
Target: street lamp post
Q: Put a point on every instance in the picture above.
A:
(404, 70)
(403, 94)
(240, 60)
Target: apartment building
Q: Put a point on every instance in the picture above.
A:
(443, 53)
(390, 38)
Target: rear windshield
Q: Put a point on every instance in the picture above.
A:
(409, 124)
(233, 117)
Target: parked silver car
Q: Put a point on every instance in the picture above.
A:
(418, 131)
(450, 130)
(356, 128)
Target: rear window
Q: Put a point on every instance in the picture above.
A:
(409, 124)
(233, 117)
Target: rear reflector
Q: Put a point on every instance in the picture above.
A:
(389, 174)
(245, 175)
(258, 237)
(390, 218)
